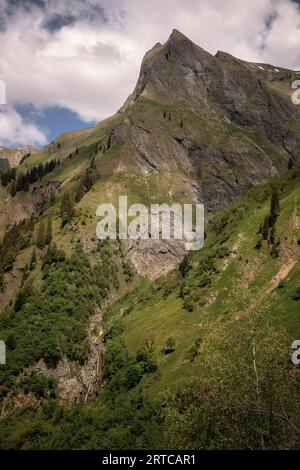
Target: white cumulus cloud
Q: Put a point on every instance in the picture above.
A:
(85, 54)
(14, 130)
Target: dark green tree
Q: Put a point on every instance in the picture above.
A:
(275, 207)
(109, 141)
(265, 228)
(49, 235)
(290, 163)
(93, 164)
(13, 189)
(67, 209)
(184, 266)
(85, 185)
(32, 261)
(22, 296)
(10, 342)
(41, 235)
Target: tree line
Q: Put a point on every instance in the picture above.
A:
(21, 181)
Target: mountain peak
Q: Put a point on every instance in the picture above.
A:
(170, 71)
(177, 35)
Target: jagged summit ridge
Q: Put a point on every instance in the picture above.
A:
(181, 73)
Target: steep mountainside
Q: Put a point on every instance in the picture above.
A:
(196, 128)
(198, 359)
(106, 337)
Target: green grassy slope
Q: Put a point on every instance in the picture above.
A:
(236, 305)
(224, 380)
(231, 282)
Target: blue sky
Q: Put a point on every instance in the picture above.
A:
(69, 64)
(53, 120)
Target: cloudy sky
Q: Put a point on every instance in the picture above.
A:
(68, 64)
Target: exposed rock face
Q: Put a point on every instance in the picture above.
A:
(4, 165)
(11, 157)
(222, 122)
(154, 258)
(235, 99)
(40, 196)
(78, 381)
(24, 205)
(179, 72)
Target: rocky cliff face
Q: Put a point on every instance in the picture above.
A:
(227, 122)
(181, 73)
(216, 123)
(12, 157)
